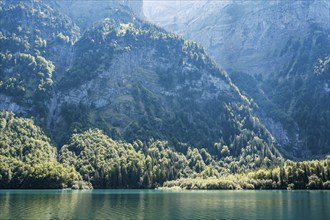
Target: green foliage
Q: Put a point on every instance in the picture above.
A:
(27, 159)
(110, 164)
(25, 76)
(92, 159)
(20, 138)
(292, 175)
(102, 161)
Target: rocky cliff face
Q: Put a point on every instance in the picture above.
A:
(275, 47)
(241, 34)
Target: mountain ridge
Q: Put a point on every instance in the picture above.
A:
(275, 47)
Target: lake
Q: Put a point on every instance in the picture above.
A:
(157, 204)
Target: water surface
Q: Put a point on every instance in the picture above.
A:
(156, 204)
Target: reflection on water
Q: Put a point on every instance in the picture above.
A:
(153, 204)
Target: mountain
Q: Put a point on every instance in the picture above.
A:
(116, 102)
(173, 92)
(276, 52)
(156, 97)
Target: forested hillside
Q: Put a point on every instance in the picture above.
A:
(117, 102)
(28, 160)
(92, 159)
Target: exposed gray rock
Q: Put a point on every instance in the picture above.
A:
(137, 67)
(242, 35)
(7, 104)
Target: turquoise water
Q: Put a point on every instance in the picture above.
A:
(156, 204)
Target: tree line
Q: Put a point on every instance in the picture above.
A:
(91, 159)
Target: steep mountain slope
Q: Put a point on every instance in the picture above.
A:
(271, 50)
(154, 85)
(130, 79)
(35, 42)
(36, 39)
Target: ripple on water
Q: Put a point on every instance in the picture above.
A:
(151, 204)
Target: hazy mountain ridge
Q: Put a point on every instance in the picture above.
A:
(278, 43)
(85, 13)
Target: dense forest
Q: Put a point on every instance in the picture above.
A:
(28, 159)
(93, 160)
(292, 175)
